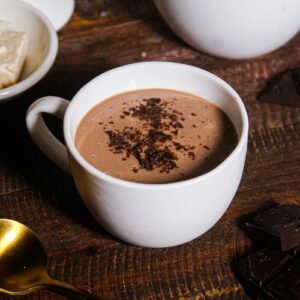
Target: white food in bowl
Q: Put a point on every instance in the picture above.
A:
(3, 25)
(13, 52)
(42, 44)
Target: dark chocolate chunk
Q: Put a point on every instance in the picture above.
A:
(283, 89)
(296, 251)
(251, 288)
(278, 227)
(261, 235)
(287, 284)
(258, 271)
(265, 264)
(269, 273)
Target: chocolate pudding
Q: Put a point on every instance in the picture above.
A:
(155, 136)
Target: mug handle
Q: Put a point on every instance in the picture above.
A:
(41, 134)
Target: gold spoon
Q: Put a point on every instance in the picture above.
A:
(23, 264)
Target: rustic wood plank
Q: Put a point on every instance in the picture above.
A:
(101, 35)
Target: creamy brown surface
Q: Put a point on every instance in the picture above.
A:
(195, 133)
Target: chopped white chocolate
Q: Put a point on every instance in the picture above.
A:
(13, 50)
(2, 49)
(3, 25)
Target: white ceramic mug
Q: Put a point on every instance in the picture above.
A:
(233, 28)
(150, 215)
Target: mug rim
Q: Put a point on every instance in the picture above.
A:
(70, 143)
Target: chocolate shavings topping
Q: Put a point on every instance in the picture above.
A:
(150, 148)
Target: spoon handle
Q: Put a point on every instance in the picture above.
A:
(68, 290)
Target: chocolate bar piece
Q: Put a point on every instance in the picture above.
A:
(278, 227)
(296, 251)
(270, 275)
(265, 264)
(287, 284)
(283, 89)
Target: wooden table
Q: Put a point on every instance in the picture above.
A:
(104, 34)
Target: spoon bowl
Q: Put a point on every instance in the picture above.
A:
(23, 262)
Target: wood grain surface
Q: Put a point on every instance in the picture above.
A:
(104, 34)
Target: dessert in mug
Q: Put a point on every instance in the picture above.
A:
(155, 136)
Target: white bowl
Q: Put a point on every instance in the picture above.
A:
(233, 28)
(43, 44)
(59, 12)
